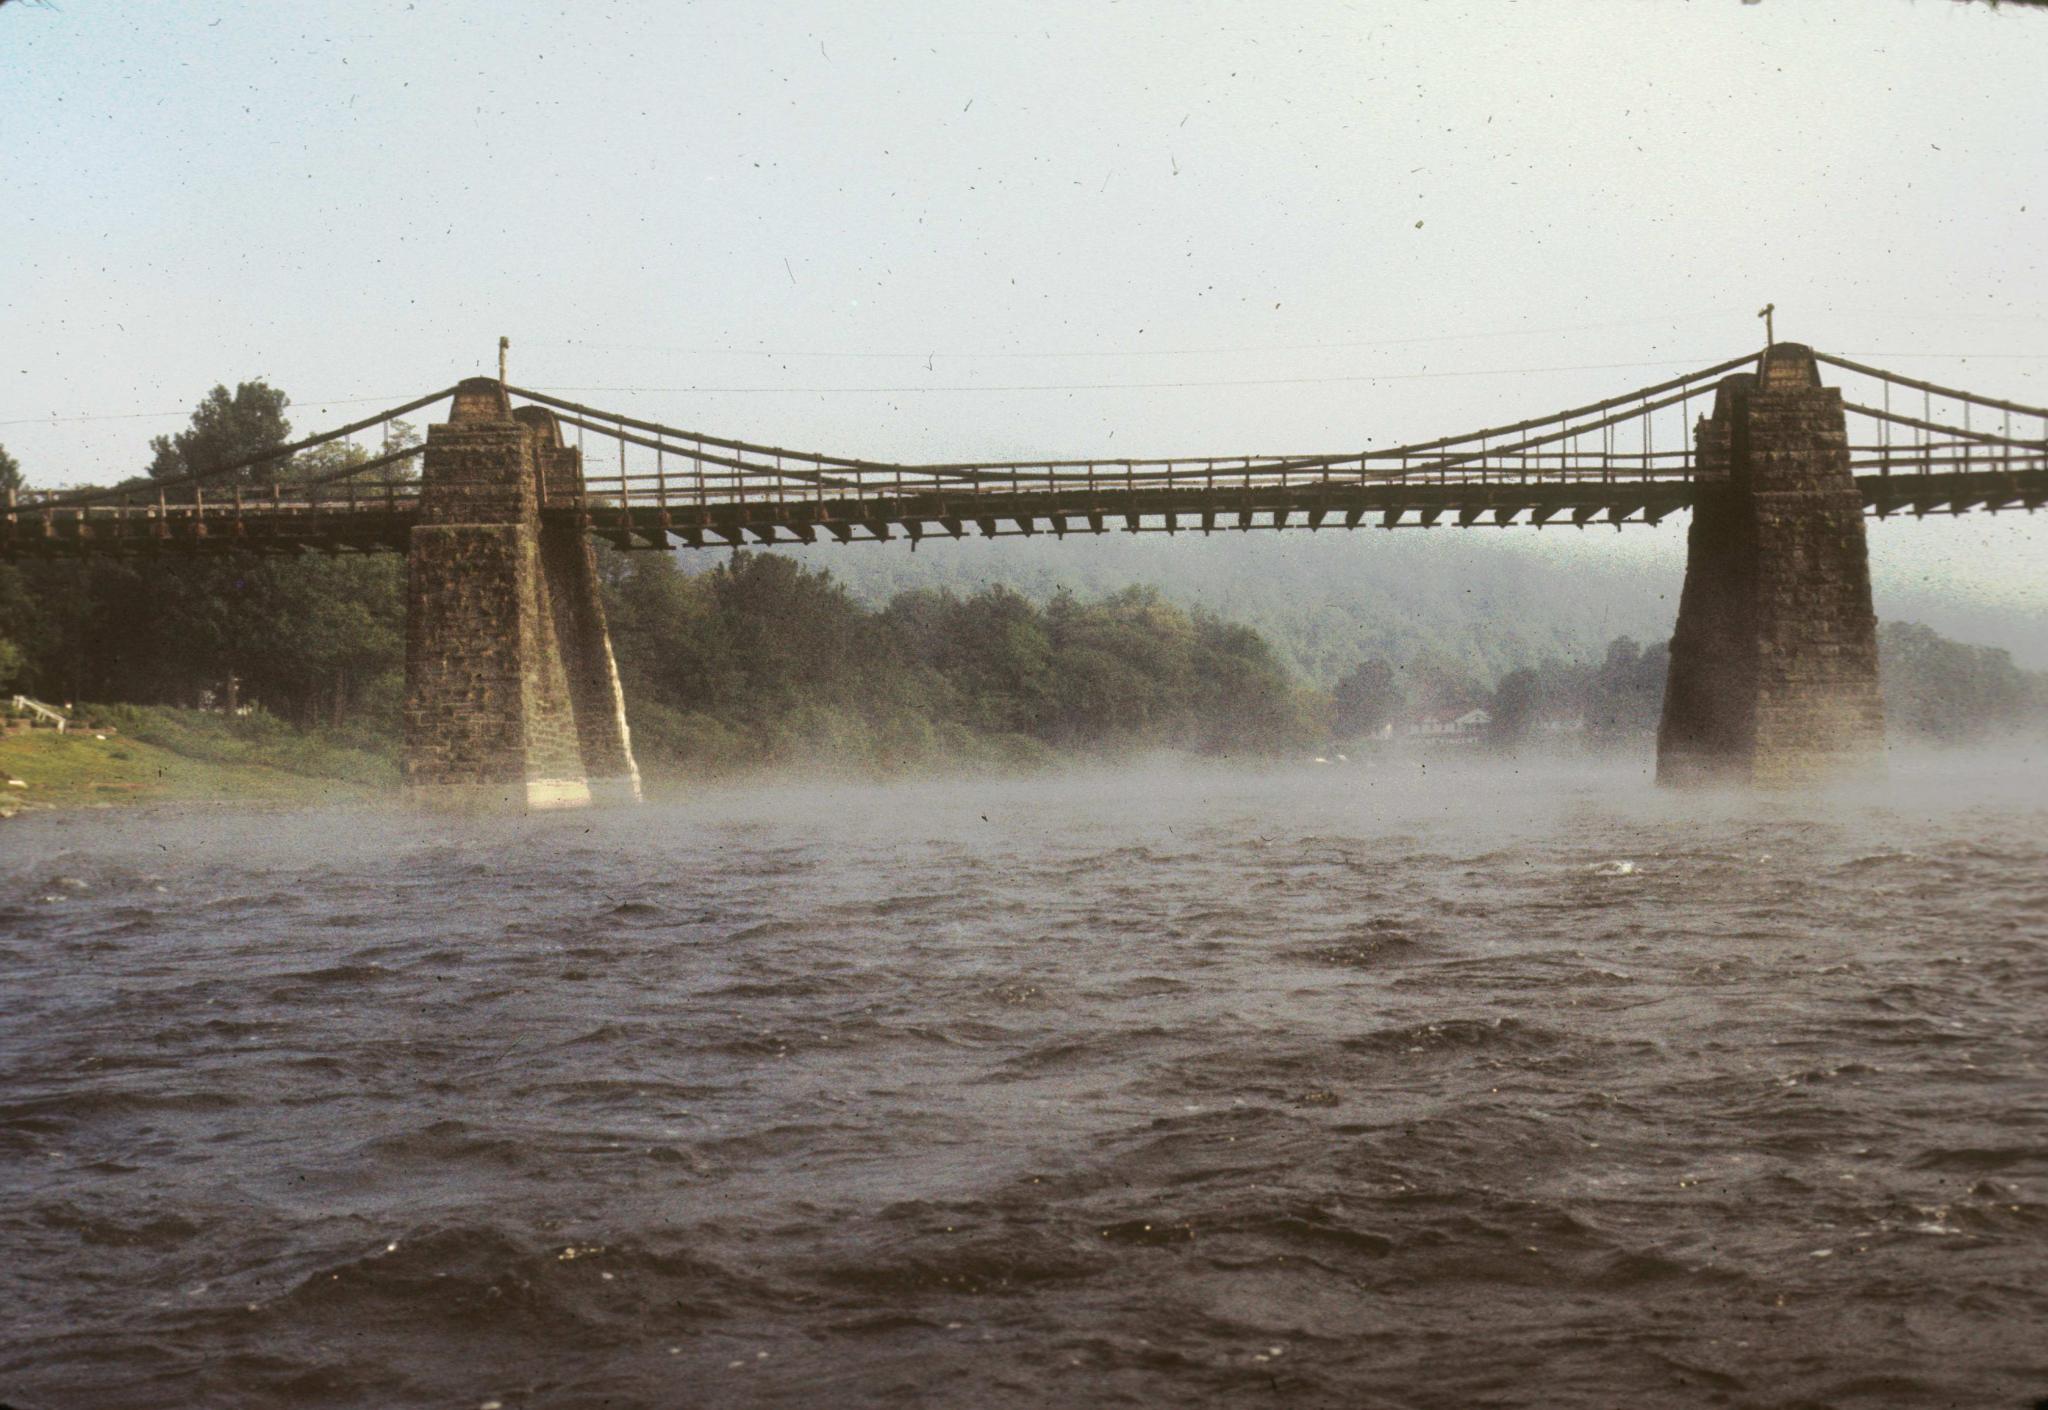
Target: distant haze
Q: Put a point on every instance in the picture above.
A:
(1504, 598)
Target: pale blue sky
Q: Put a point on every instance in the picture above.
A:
(354, 200)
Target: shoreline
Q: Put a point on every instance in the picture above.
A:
(85, 771)
(42, 771)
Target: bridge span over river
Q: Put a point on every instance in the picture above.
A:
(512, 695)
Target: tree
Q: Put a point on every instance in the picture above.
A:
(663, 629)
(12, 660)
(987, 654)
(327, 462)
(226, 428)
(1948, 690)
(1121, 669)
(1627, 691)
(1435, 681)
(1367, 699)
(789, 634)
(1242, 697)
(1517, 700)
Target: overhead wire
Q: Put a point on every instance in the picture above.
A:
(1080, 353)
(701, 390)
(276, 453)
(321, 403)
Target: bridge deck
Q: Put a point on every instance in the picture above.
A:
(380, 517)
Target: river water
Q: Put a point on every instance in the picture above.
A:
(1332, 1086)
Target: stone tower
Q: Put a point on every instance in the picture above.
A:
(1773, 675)
(511, 694)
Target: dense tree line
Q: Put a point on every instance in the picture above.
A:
(1616, 698)
(763, 660)
(1934, 689)
(318, 640)
(1946, 690)
(1324, 601)
(13, 662)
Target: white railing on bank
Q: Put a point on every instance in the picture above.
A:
(50, 714)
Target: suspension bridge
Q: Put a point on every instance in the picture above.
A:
(511, 687)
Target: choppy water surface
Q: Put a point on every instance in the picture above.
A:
(1326, 1087)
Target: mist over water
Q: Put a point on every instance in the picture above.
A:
(1432, 1084)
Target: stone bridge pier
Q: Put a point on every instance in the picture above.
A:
(1773, 677)
(511, 694)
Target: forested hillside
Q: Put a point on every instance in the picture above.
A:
(1324, 600)
(763, 661)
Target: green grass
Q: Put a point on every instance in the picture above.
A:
(258, 741)
(169, 757)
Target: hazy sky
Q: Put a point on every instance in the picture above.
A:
(1062, 228)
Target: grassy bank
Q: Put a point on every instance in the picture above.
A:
(160, 755)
